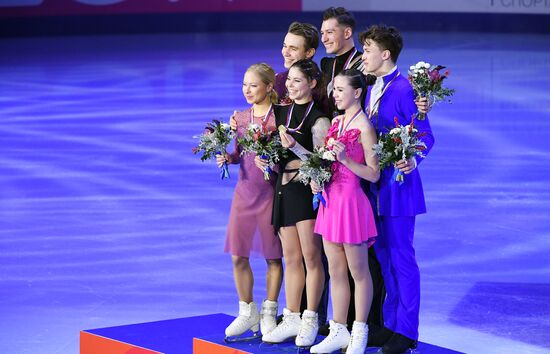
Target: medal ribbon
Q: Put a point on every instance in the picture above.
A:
(265, 117)
(341, 128)
(289, 117)
(346, 66)
(376, 105)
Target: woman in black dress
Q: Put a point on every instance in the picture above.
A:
(302, 126)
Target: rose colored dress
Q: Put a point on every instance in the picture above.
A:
(249, 227)
(347, 217)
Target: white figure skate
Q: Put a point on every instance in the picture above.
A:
(248, 319)
(358, 340)
(268, 316)
(338, 338)
(308, 330)
(287, 329)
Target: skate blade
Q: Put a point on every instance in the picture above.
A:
(237, 339)
(287, 340)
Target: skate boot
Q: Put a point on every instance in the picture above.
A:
(358, 340)
(268, 316)
(308, 330)
(287, 329)
(338, 338)
(248, 319)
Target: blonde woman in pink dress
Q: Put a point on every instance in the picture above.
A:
(249, 229)
(347, 222)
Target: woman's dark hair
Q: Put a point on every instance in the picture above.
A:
(357, 80)
(312, 72)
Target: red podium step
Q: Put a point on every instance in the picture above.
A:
(94, 344)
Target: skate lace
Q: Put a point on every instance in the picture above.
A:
(269, 311)
(333, 333)
(241, 322)
(309, 325)
(244, 311)
(285, 323)
(357, 340)
(287, 320)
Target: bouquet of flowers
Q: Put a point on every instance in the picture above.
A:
(401, 143)
(214, 141)
(317, 168)
(264, 143)
(427, 81)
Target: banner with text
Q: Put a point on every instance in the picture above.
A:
(472, 6)
(84, 7)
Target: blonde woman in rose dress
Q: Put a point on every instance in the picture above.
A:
(249, 229)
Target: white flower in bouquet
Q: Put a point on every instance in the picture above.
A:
(254, 127)
(400, 143)
(395, 131)
(408, 127)
(317, 167)
(329, 155)
(214, 141)
(427, 81)
(264, 143)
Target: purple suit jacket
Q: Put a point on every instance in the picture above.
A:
(394, 199)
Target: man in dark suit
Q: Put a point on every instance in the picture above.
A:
(337, 36)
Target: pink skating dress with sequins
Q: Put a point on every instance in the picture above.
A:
(249, 229)
(348, 216)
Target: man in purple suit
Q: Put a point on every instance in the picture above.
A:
(398, 204)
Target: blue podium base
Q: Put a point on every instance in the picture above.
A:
(197, 335)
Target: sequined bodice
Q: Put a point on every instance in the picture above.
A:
(354, 150)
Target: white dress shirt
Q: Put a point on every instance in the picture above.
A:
(377, 90)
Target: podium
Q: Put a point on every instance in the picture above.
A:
(190, 335)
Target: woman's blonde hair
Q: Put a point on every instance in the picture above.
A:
(267, 75)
